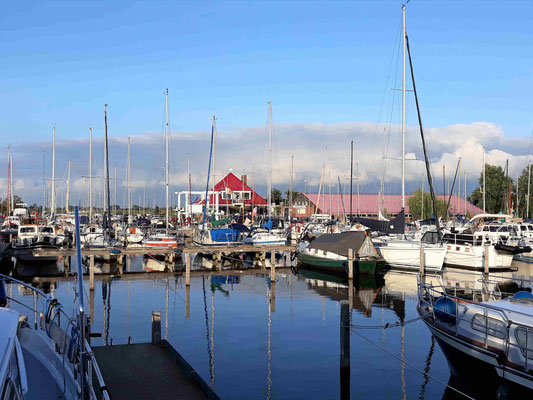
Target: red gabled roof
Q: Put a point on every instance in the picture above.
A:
(235, 184)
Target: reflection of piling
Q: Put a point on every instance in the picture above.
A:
(422, 260)
(273, 296)
(273, 268)
(91, 311)
(187, 300)
(485, 285)
(350, 263)
(187, 269)
(156, 327)
(345, 350)
(91, 273)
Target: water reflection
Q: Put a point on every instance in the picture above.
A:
(283, 336)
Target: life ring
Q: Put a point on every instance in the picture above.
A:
(60, 230)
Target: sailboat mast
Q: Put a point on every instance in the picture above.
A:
(115, 194)
(8, 199)
(44, 185)
(484, 180)
(269, 178)
(129, 186)
(166, 160)
(68, 188)
(53, 208)
(351, 178)
(290, 191)
(528, 186)
(107, 213)
(188, 202)
(403, 108)
(90, 174)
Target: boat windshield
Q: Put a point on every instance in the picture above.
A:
(27, 229)
(46, 229)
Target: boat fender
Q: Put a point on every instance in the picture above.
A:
(3, 293)
(523, 294)
(73, 346)
(445, 309)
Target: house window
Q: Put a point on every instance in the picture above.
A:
(226, 196)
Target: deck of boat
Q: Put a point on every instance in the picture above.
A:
(149, 371)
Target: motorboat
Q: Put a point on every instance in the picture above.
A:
(264, 237)
(485, 341)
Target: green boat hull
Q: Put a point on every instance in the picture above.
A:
(367, 267)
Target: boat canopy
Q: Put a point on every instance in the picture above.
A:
(340, 243)
(396, 225)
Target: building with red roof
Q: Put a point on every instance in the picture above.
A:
(367, 205)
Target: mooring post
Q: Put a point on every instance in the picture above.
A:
(91, 272)
(345, 350)
(263, 256)
(156, 327)
(350, 263)
(187, 301)
(350, 293)
(188, 269)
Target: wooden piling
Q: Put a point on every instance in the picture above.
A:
(188, 269)
(187, 300)
(350, 263)
(345, 350)
(263, 256)
(350, 293)
(91, 272)
(156, 327)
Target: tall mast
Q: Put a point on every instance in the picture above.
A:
(53, 207)
(129, 187)
(351, 178)
(107, 198)
(528, 185)
(166, 159)
(403, 109)
(44, 185)
(269, 177)
(90, 174)
(188, 202)
(68, 188)
(484, 180)
(213, 176)
(8, 198)
(115, 193)
(465, 178)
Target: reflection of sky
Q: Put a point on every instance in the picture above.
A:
(226, 337)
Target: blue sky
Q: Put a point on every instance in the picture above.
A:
(319, 62)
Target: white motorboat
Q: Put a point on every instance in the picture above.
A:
(264, 238)
(485, 342)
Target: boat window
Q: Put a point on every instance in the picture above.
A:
(27, 229)
(499, 229)
(530, 227)
(524, 336)
(494, 327)
(430, 237)
(46, 229)
(485, 229)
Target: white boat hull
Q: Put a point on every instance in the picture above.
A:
(406, 255)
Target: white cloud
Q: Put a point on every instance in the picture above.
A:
(244, 150)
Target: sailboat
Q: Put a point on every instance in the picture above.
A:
(404, 253)
(164, 239)
(266, 235)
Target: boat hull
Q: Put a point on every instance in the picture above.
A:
(407, 257)
(367, 267)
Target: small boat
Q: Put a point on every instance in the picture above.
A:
(486, 342)
(263, 237)
(330, 252)
(161, 240)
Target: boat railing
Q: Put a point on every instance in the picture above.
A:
(428, 293)
(50, 318)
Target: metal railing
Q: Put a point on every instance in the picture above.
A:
(428, 293)
(51, 312)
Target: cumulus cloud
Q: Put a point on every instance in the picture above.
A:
(318, 150)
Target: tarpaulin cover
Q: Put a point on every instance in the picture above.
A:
(240, 227)
(396, 225)
(340, 243)
(224, 235)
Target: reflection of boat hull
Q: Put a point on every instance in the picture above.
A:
(31, 259)
(368, 267)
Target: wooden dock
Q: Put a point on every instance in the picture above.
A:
(150, 370)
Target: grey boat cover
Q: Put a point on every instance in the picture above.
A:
(396, 225)
(340, 243)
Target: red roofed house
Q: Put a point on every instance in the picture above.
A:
(367, 205)
(232, 191)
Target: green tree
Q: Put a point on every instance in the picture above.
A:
(496, 187)
(415, 205)
(522, 195)
(276, 196)
(287, 193)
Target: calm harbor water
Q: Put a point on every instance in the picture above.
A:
(251, 339)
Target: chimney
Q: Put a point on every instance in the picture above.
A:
(243, 179)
